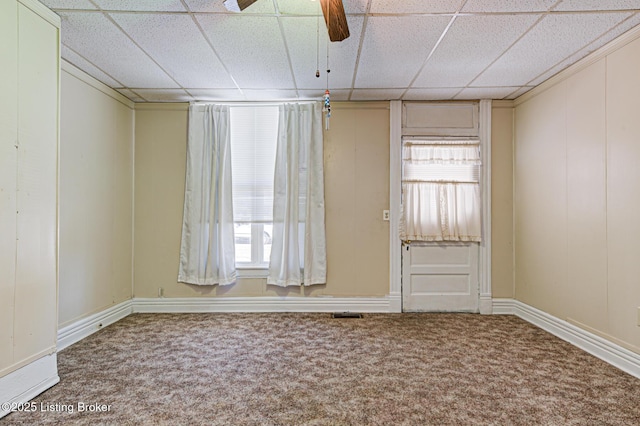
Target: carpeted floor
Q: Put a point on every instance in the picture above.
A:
(311, 369)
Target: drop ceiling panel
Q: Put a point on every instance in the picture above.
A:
(216, 94)
(485, 93)
(164, 95)
(81, 63)
(142, 5)
(484, 6)
(94, 37)
(262, 6)
(174, 40)
(615, 32)
(297, 7)
(301, 34)
(376, 94)
(415, 6)
(554, 39)
(270, 95)
(69, 4)
(395, 48)
(430, 94)
(598, 5)
(251, 48)
(317, 94)
(462, 55)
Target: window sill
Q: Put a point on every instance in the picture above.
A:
(252, 272)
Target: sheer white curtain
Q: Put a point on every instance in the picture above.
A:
(298, 252)
(207, 254)
(441, 191)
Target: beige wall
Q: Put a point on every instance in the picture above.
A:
(29, 54)
(96, 197)
(577, 194)
(502, 200)
(356, 192)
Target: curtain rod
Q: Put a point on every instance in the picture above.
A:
(257, 104)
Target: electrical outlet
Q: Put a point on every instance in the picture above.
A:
(160, 292)
(385, 214)
(638, 317)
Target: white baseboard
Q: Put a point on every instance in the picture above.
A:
(266, 304)
(24, 384)
(606, 350)
(80, 329)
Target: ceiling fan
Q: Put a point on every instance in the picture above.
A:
(333, 12)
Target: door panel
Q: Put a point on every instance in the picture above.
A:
(440, 277)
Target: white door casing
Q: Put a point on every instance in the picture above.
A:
(445, 281)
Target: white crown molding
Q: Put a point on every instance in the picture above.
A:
(597, 346)
(86, 78)
(80, 329)
(24, 384)
(42, 10)
(588, 60)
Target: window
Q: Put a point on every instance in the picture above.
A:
(441, 190)
(254, 132)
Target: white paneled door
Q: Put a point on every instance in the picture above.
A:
(440, 277)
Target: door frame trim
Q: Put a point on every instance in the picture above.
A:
(395, 187)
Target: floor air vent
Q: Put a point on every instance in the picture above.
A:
(346, 315)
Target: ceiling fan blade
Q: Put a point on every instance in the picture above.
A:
(238, 5)
(336, 20)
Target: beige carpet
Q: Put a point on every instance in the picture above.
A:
(311, 369)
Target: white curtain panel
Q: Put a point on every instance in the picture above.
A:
(441, 192)
(440, 212)
(207, 254)
(298, 251)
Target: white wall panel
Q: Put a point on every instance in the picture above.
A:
(36, 257)
(8, 168)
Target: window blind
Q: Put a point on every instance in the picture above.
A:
(254, 132)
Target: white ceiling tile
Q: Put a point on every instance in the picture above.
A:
(462, 55)
(86, 66)
(94, 37)
(301, 34)
(415, 6)
(431, 94)
(615, 32)
(317, 94)
(216, 94)
(164, 95)
(261, 7)
(395, 48)
(298, 7)
(270, 95)
(132, 96)
(555, 38)
(174, 40)
(69, 4)
(142, 5)
(485, 93)
(251, 48)
(598, 5)
(488, 6)
(376, 94)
